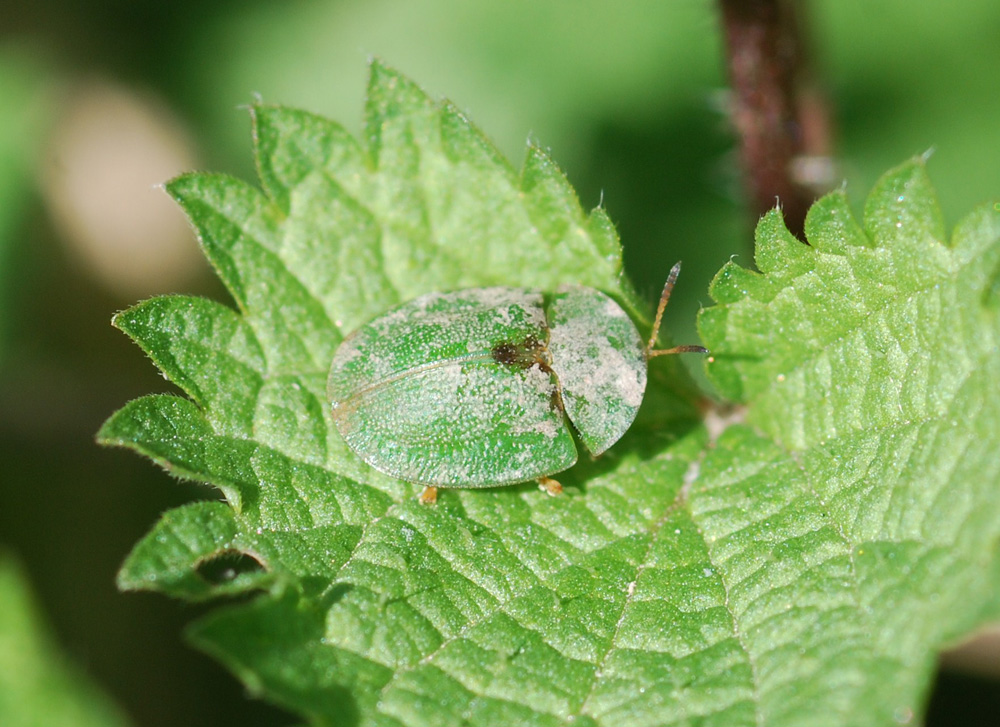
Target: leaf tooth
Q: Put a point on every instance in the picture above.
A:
(174, 433)
(242, 236)
(261, 483)
(734, 283)
(464, 143)
(976, 236)
(227, 214)
(604, 236)
(393, 101)
(778, 250)
(166, 558)
(290, 144)
(204, 348)
(551, 202)
(902, 209)
(831, 227)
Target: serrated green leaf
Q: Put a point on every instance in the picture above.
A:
(874, 366)
(207, 350)
(799, 571)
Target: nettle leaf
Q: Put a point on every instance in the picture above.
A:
(869, 363)
(800, 569)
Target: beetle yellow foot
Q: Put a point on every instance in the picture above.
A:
(429, 496)
(550, 485)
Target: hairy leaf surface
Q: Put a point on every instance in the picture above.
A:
(800, 568)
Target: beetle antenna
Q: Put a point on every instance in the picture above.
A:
(668, 288)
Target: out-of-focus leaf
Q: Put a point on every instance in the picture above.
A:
(38, 686)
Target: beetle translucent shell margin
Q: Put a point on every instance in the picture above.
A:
(473, 388)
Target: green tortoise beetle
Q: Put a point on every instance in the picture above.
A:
(473, 388)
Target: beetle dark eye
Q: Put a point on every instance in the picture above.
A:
(505, 353)
(521, 355)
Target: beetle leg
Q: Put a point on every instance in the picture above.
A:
(429, 496)
(550, 485)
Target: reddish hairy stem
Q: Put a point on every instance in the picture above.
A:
(780, 120)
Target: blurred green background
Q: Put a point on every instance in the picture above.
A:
(100, 100)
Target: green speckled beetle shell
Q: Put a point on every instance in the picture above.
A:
(473, 388)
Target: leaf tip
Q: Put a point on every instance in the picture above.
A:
(902, 203)
(778, 250)
(384, 81)
(831, 226)
(109, 434)
(181, 187)
(733, 282)
(538, 167)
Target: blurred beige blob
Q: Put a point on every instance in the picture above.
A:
(109, 153)
(979, 654)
